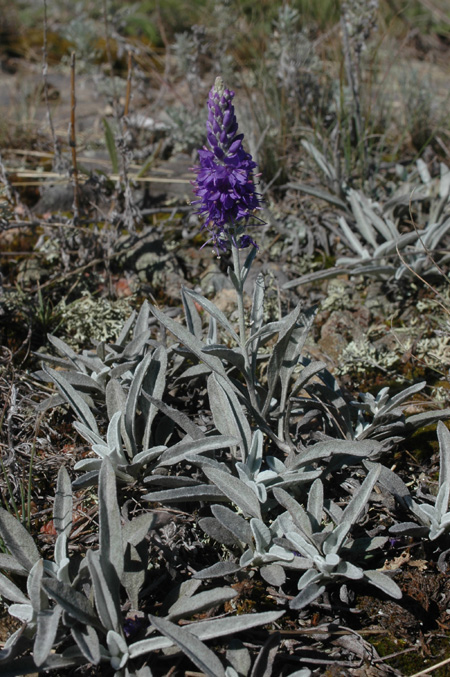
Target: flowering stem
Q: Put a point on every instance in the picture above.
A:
(242, 333)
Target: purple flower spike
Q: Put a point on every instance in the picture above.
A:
(224, 186)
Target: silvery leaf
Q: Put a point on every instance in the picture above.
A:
(193, 319)
(292, 351)
(18, 541)
(261, 535)
(239, 658)
(234, 522)
(204, 492)
(233, 356)
(89, 435)
(38, 598)
(305, 375)
(409, 529)
(213, 528)
(154, 384)
(87, 641)
(273, 574)
(72, 601)
(178, 451)
(263, 665)
(361, 497)
(142, 320)
(320, 159)
(274, 367)
(24, 612)
(132, 402)
(188, 606)
(218, 570)
(443, 435)
(104, 592)
(187, 339)
(255, 455)
(248, 263)
(73, 398)
(213, 311)
(144, 457)
(118, 650)
(228, 414)
(384, 583)
(236, 490)
(307, 595)
(352, 240)
(124, 332)
(179, 417)
(348, 570)
(191, 646)
(10, 590)
(426, 418)
(257, 309)
(137, 529)
(295, 510)
(209, 629)
(64, 349)
(301, 545)
(88, 464)
(47, 627)
(363, 223)
(110, 531)
(315, 504)
(62, 507)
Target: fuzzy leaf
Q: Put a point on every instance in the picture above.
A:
(87, 641)
(132, 401)
(315, 504)
(213, 528)
(275, 366)
(228, 414)
(110, 529)
(217, 570)
(18, 541)
(210, 629)
(191, 646)
(72, 601)
(306, 596)
(204, 492)
(234, 522)
(236, 490)
(104, 592)
(47, 627)
(193, 319)
(213, 311)
(178, 451)
(187, 339)
(188, 606)
(233, 356)
(384, 583)
(10, 590)
(359, 500)
(73, 398)
(273, 574)
(62, 507)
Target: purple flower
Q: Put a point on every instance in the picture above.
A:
(224, 186)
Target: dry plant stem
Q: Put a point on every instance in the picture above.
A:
(72, 139)
(57, 149)
(351, 71)
(432, 668)
(110, 60)
(128, 91)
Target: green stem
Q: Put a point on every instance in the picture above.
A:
(242, 332)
